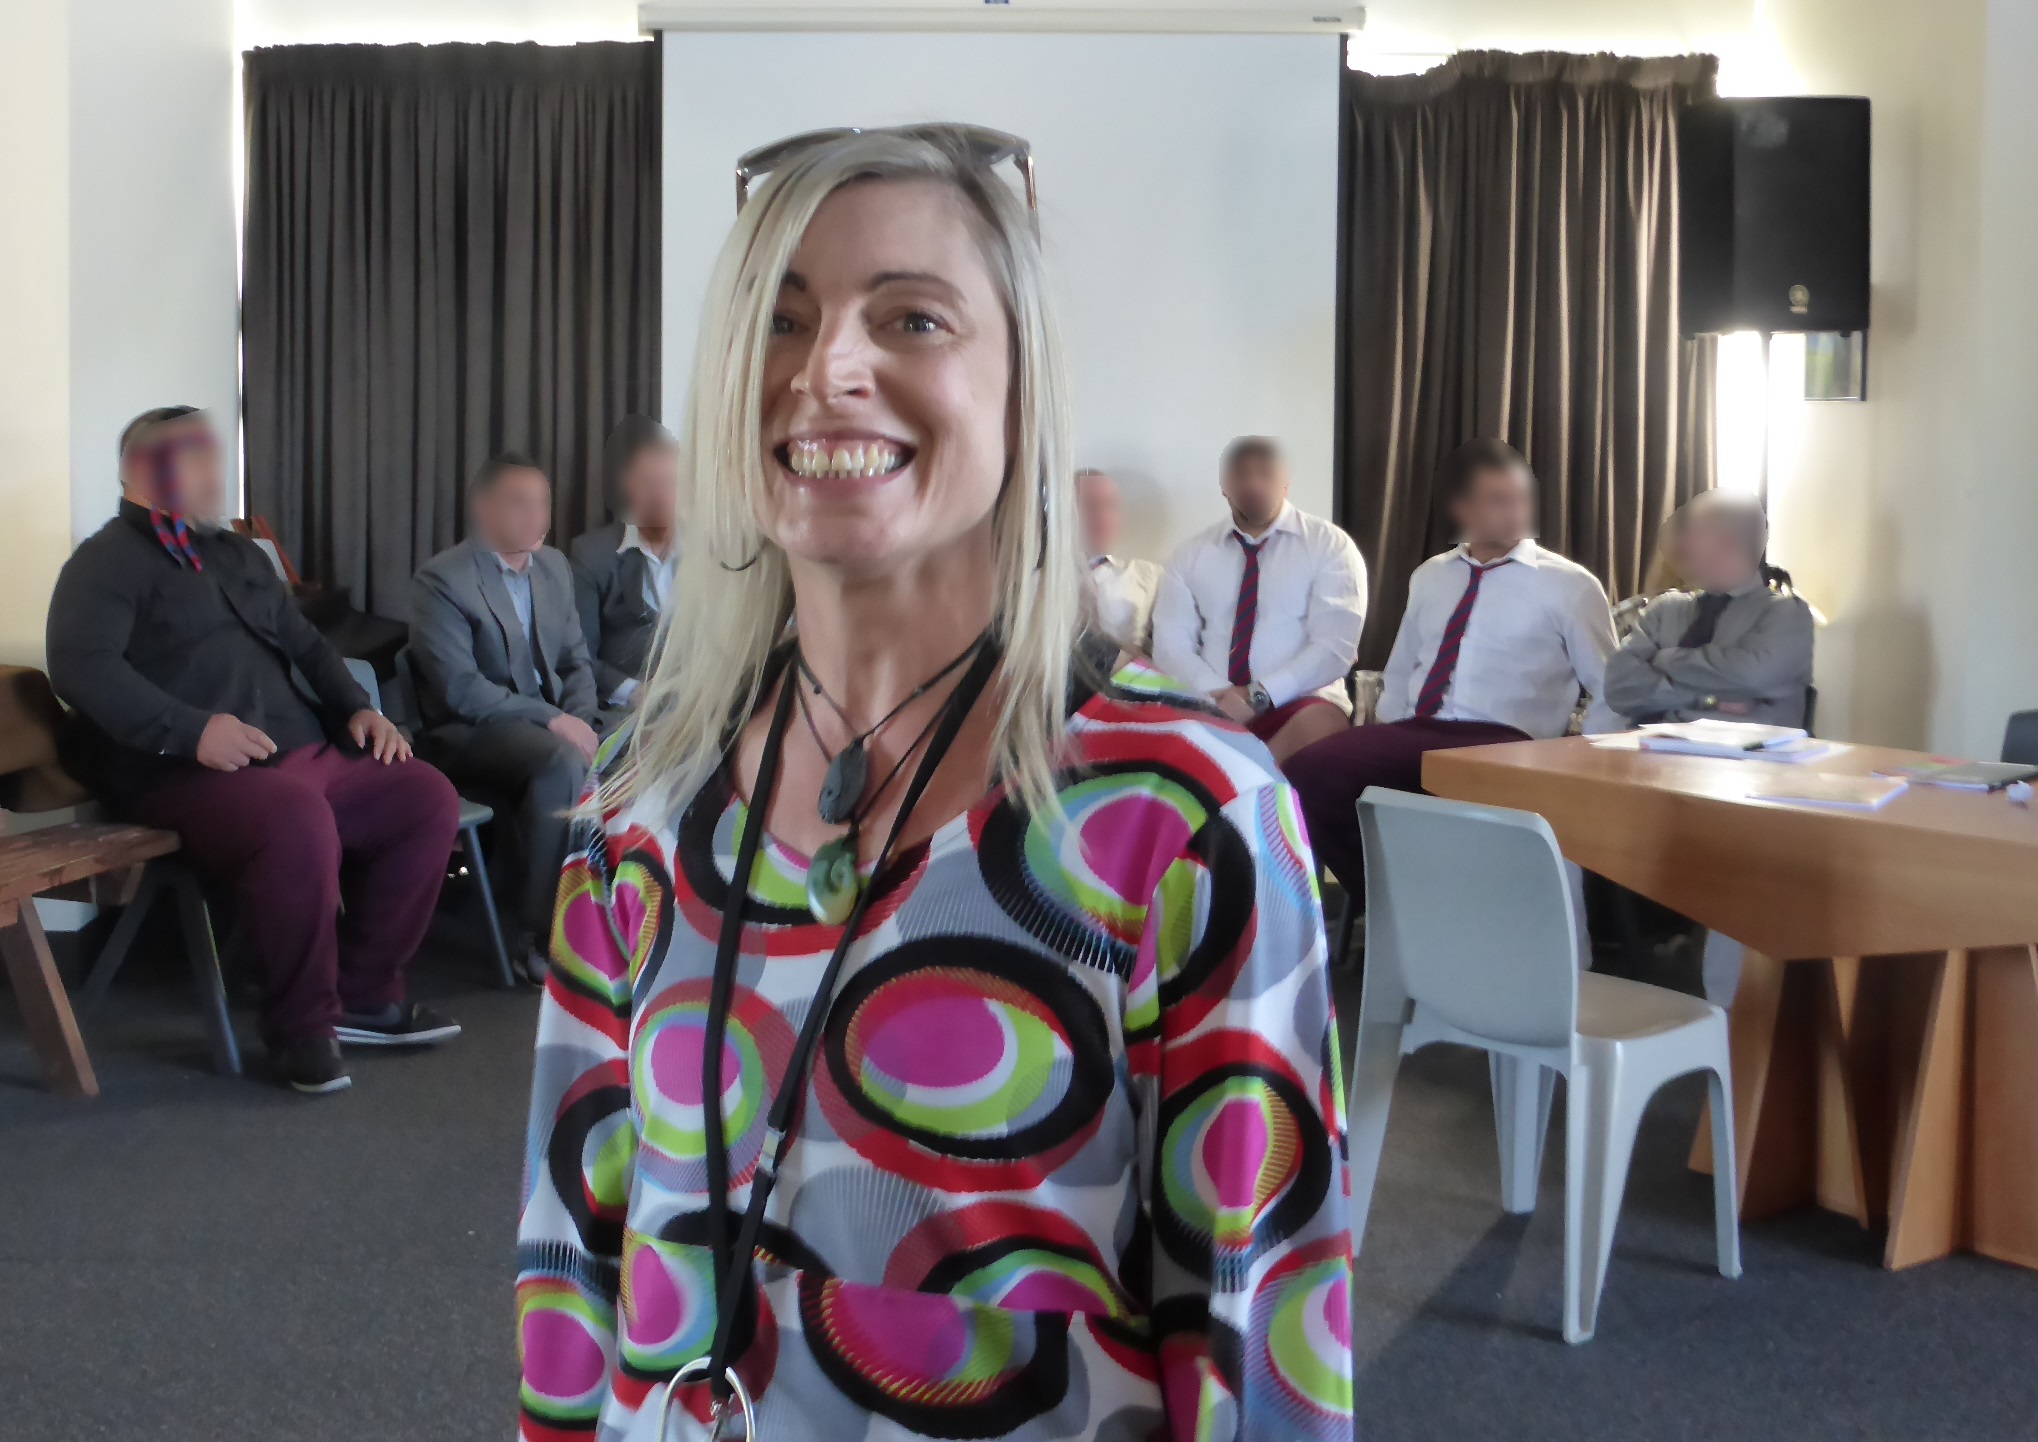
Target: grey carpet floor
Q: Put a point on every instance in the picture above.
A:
(190, 1257)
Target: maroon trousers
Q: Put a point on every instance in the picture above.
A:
(278, 833)
(1330, 776)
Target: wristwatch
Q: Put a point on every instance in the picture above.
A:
(1257, 695)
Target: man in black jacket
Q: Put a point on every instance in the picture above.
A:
(623, 572)
(207, 705)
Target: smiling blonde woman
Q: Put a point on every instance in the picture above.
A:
(1028, 1119)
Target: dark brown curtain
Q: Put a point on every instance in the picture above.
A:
(452, 250)
(1510, 258)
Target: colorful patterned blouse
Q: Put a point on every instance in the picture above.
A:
(1071, 1164)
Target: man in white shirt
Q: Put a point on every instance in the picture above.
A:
(1122, 587)
(1262, 612)
(1499, 640)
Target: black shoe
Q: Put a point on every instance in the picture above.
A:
(405, 1023)
(311, 1065)
(534, 967)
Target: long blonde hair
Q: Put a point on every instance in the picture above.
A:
(733, 595)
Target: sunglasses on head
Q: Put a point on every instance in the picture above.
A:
(988, 147)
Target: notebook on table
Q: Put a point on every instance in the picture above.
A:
(1699, 738)
(1731, 739)
(1853, 793)
(1968, 775)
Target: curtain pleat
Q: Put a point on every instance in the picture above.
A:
(1510, 257)
(452, 250)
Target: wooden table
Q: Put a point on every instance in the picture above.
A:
(34, 862)
(1885, 1033)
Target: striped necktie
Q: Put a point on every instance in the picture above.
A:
(1434, 685)
(1245, 614)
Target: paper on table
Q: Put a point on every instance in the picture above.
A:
(1805, 749)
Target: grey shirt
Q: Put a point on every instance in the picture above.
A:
(1760, 656)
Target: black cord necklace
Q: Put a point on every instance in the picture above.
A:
(833, 881)
(833, 878)
(849, 768)
(734, 1261)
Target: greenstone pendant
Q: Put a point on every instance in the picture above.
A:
(832, 882)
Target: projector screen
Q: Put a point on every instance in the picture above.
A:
(1188, 203)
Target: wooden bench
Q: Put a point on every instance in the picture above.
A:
(141, 861)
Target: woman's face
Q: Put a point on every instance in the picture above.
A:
(887, 382)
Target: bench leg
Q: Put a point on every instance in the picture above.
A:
(45, 1007)
(470, 838)
(204, 956)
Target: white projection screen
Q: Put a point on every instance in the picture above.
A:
(1188, 201)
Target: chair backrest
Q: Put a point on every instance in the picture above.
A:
(275, 554)
(1470, 907)
(403, 691)
(364, 677)
(2020, 739)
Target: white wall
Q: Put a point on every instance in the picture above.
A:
(1880, 511)
(154, 305)
(1188, 201)
(431, 22)
(35, 482)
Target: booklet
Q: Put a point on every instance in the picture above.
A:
(1967, 775)
(1855, 793)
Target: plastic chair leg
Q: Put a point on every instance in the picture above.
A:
(1726, 1202)
(1373, 1073)
(1577, 1176)
(204, 957)
(1614, 1114)
(1522, 1094)
(470, 839)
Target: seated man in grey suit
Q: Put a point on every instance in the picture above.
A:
(622, 572)
(505, 689)
(1739, 647)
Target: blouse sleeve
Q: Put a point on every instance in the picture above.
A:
(580, 1158)
(1246, 1182)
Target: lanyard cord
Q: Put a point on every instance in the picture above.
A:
(733, 1264)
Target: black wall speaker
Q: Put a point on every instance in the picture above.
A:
(1773, 214)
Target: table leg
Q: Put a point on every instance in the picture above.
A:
(1842, 1186)
(1928, 1204)
(2004, 1167)
(45, 1006)
(1771, 1035)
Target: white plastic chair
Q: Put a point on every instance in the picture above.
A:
(1472, 937)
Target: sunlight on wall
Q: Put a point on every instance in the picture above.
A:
(1759, 412)
(1753, 62)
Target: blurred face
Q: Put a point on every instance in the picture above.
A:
(1712, 553)
(887, 383)
(515, 513)
(1256, 486)
(178, 469)
(650, 486)
(1103, 513)
(1498, 509)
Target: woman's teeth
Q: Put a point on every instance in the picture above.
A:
(843, 460)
